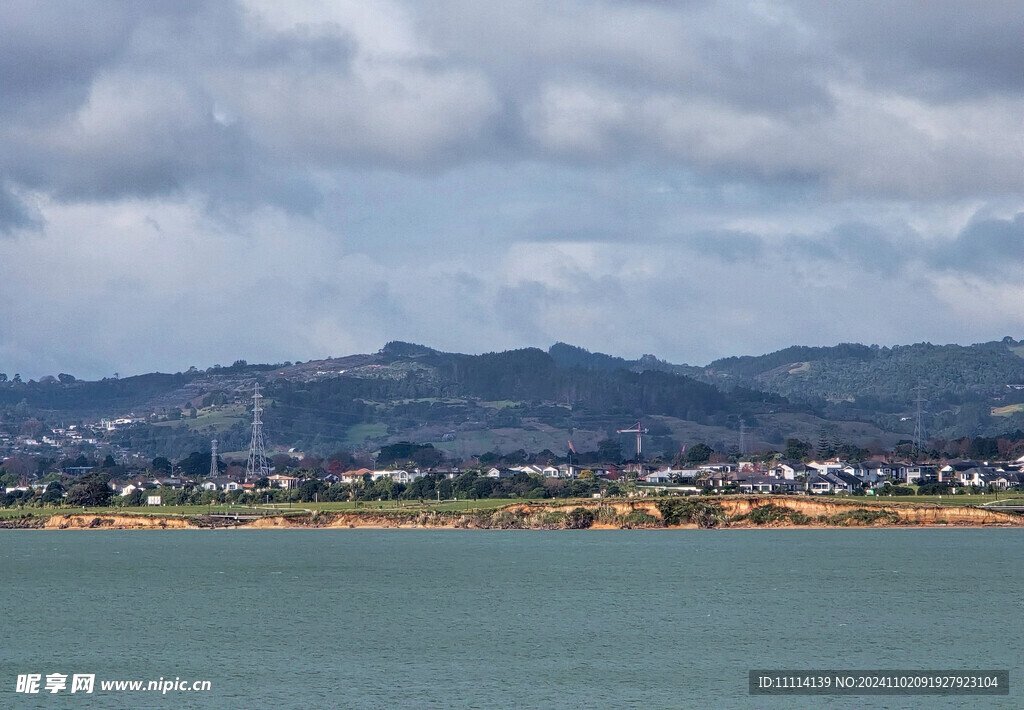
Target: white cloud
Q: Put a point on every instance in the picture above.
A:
(187, 184)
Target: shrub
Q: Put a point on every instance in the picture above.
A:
(640, 519)
(862, 516)
(767, 514)
(579, 519)
(507, 520)
(675, 511)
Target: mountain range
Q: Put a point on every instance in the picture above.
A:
(536, 400)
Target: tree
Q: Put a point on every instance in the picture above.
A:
(281, 462)
(161, 463)
(826, 447)
(796, 449)
(54, 493)
(310, 488)
(65, 378)
(21, 465)
(91, 490)
(698, 454)
(609, 450)
(579, 518)
(195, 465)
(423, 455)
(482, 487)
(135, 498)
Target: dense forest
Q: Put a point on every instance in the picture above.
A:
(848, 372)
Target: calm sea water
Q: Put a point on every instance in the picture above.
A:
(502, 619)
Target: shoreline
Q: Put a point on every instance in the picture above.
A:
(722, 512)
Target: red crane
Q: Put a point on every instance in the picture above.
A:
(639, 430)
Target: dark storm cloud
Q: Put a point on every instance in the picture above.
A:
(50, 52)
(985, 246)
(862, 246)
(942, 49)
(113, 100)
(15, 214)
(728, 247)
(107, 100)
(54, 49)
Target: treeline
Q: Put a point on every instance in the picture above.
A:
(752, 365)
(873, 375)
(439, 389)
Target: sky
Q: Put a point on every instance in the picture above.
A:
(191, 183)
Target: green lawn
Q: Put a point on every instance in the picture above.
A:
(1007, 411)
(977, 499)
(411, 506)
(284, 508)
(358, 434)
(217, 417)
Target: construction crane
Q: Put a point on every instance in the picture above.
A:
(639, 430)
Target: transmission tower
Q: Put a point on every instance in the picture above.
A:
(743, 437)
(919, 438)
(214, 469)
(257, 467)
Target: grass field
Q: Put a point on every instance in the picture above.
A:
(283, 508)
(217, 417)
(1008, 410)
(357, 435)
(412, 506)
(968, 500)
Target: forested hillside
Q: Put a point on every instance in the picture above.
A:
(533, 399)
(944, 373)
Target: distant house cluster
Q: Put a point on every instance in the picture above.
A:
(829, 477)
(837, 477)
(67, 440)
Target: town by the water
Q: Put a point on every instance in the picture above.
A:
(293, 488)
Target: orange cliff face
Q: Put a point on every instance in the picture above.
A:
(114, 522)
(909, 514)
(808, 511)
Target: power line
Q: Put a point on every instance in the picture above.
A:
(257, 466)
(214, 469)
(919, 423)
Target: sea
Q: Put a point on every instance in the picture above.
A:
(289, 619)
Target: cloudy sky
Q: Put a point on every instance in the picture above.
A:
(189, 183)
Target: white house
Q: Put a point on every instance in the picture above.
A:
(826, 466)
(495, 472)
(659, 477)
